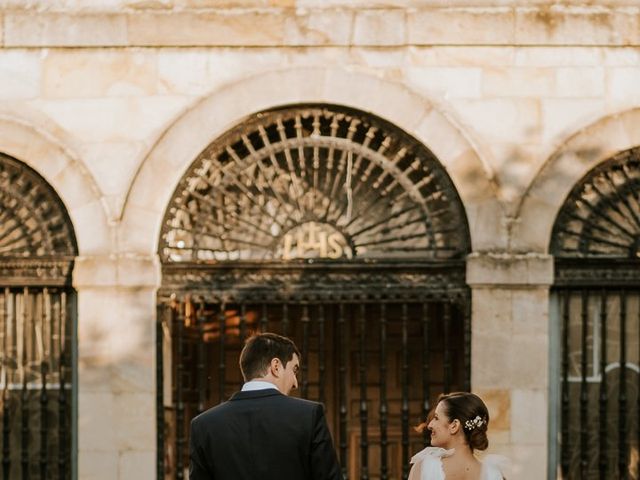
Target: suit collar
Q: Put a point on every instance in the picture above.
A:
(268, 392)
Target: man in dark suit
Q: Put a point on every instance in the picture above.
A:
(261, 433)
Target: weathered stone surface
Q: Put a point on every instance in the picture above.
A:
(445, 81)
(72, 74)
(517, 82)
(529, 413)
(20, 74)
(94, 465)
(380, 27)
(461, 26)
(137, 464)
(64, 30)
(506, 269)
(186, 28)
(580, 82)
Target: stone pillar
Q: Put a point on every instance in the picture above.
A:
(116, 366)
(510, 354)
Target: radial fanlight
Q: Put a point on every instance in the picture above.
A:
(601, 216)
(33, 220)
(314, 182)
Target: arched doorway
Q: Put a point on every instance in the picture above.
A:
(37, 326)
(338, 229)
(596, 243)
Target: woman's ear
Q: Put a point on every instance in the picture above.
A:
(454, 427)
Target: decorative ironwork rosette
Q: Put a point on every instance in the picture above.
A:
(601, 216)
(314, 182)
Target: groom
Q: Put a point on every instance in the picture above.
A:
(261, 433)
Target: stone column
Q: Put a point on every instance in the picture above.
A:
(116, 366)
(510, 354)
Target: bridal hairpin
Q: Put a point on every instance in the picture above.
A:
(475, 423)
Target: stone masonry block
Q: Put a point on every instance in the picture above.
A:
(562, 25)
(137, 464)
(380, 27)
(37, 29)
(529, 413)
(509, 269)
(72, 74)
(517, 82)
(580, 82)
(461, 26)
(20, 73)
(320, 27)
(188, 28)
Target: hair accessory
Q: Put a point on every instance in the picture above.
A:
(475, 423)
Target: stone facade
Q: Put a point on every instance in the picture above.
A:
(111, 101)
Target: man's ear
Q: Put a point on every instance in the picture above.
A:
(275, 367)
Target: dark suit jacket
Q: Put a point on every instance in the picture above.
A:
(262, 435)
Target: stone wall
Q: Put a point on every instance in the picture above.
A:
(110, 102)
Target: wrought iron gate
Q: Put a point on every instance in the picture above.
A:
(596, 240)
(376, 360)
(35, 382)
(599, 394)
(37, 327)
(333, 226)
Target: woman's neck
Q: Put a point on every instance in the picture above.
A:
(460, 448)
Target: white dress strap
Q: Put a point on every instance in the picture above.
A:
(495, 467)
(427, 464)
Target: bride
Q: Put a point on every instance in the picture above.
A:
(458, 427)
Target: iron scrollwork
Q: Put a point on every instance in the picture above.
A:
(601, 216)
(314, 182)
(37, 242)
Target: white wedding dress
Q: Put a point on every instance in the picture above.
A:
(427, 465)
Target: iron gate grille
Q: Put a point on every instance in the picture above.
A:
(333, 226)
(37, 318)
(374, 364)
(596, 240)
(599, 392)
(35, 382)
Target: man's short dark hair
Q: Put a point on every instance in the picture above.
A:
(260, 349)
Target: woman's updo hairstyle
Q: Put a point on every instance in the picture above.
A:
(472, 414)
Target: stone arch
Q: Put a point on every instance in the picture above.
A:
(41, 150)
(181, 143)
(548, 191)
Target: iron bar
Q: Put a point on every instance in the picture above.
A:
(182, 314)
(161, 311)
(6, 419)
(264, 319)
(466, 307)
(604, 437)
(222, 359)
(285, 319)
(44, 399)
(63, 406)
(623, 470)
(405, 392)
(364, 441)
(425, 368)
(24, 394)
(201, 364)
(305, 320)
(321, 354)
(565, 407)
(384, 406)
(584, 394)
(446, 318)
(343, 353)
(243, 322)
